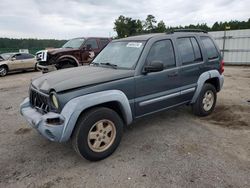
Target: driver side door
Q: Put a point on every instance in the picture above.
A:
(158, 90)
(16, 62)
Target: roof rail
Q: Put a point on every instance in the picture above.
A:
(188, 30)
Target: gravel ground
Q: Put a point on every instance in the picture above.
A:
(169, 149)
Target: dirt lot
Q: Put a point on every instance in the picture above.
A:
(170, 149)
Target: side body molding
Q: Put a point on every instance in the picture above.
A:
(203, 78)
(74, 107)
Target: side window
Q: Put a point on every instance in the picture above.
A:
(103, 42)
(19, 56)
(162, 51)
(28, 56)
(211, 50)
(92, 42)
(186, 50)
(197, 50)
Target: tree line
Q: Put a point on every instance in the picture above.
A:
(13, 45)
(126, 26)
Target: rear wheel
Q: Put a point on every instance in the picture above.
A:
(3, 71)
(98, 133)
(206, 101)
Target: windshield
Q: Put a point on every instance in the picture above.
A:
(73, 43)
(122, 54)
(5, 56)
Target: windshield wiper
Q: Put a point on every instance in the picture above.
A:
(94, 63)
(110, 64)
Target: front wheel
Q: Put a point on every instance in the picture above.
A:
(206, 101)
(98, 133)
(3, 71)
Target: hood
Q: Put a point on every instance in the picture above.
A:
(78, 77)
(61, 50)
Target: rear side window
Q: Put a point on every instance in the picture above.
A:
(91, 42)
(162, 51)
(189, 50)
(103, 42)
(211, 50)
(27, 56)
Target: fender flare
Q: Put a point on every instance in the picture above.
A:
(203, 78)
(4, 65)
(68, 57)
(76, 106)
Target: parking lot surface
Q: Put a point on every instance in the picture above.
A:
(170, 149)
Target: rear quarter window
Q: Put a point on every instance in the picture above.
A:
(210, 47)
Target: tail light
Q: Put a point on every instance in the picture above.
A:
(222, 66)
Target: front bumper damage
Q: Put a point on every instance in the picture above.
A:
(46, 68)
(50, 125)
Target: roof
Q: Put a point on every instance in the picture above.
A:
(148, 36)
(142, 37)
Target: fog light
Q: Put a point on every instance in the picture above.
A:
(55, 121)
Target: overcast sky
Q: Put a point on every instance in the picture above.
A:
(64, 19)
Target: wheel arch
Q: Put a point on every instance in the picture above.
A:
(68, 57)
(113, 99)
(213, 77)
(5, 65)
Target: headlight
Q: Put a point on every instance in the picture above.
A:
(54, 100)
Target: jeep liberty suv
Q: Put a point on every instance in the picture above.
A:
(75, 52)
(130, 78)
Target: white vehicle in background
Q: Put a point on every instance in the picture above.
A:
(16, 62)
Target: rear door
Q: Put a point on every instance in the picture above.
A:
(191, 65)
(28, 61)
(158, 90)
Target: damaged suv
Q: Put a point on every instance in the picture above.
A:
(130, 78)
(75, 52)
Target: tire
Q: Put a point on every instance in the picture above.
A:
(3, 71)
(206, 101)
(97, 134)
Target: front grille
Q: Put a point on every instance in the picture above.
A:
(41, 55)
(39, 101)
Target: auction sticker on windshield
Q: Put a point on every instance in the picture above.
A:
(134, 44)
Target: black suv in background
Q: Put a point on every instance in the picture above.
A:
(75, 52)
(129, 79)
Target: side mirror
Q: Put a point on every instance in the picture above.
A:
(13, 59)
(155, 66)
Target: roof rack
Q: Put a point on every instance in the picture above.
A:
(188, 30)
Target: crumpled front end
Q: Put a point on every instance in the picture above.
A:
(50, 125)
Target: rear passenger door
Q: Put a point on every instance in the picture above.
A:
(28, 61)
(158, 90)
(191, 64)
